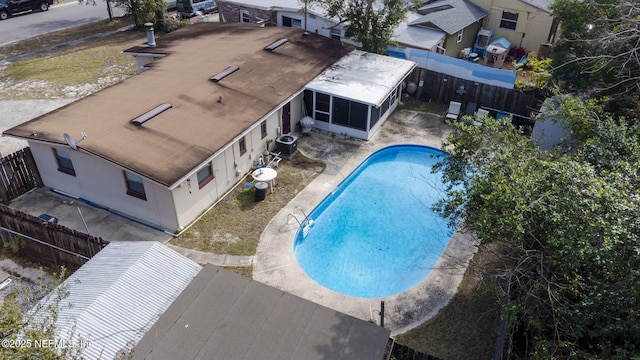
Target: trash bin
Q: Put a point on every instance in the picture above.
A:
(261, 190)
(48, 218)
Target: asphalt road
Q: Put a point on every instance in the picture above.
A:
(58, 17)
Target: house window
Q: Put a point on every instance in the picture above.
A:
(459, 39)
(350, 113)
(244, 16)
(336, 33)
(322, 107)
(135, 186)
(64, 162)
(291, 22)
(394, 96)
(509, 20)
(205, 175)
(243, 146)
(263, 129)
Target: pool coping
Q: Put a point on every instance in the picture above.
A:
(275, 263)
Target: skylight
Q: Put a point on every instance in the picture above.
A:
(224, 73)
(276, 44)
(151, 114)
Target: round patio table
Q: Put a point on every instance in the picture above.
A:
(265, 174)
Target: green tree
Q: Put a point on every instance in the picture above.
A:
(365, 22)
(24, 322)
(142, 11)
(599, 47)
(568, 228)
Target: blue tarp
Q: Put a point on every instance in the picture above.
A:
(502, 42)
(455, 67)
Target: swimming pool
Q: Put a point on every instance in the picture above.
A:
(376, 234)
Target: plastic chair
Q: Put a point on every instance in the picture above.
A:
(454, 110)
(471, 108)
(481, 113)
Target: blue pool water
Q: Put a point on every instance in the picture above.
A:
(376, 235)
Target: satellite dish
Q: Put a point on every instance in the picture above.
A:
(72, 143)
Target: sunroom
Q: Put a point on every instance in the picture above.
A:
(356, 95)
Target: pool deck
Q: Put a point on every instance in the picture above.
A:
(275, 264)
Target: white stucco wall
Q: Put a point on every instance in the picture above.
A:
(297, 111)
(103, 183)
(229, 167)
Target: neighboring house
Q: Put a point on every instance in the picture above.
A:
(419, 37)
(166, 144)
(443, 26)
(287, 13)
(223, 315)
(460, 20)
(115, 298)
(528, 24)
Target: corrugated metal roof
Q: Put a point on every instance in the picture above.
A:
(120, 293)
(450, 15)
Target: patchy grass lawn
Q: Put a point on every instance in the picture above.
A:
(234, 225)
(68, 71)
(38, 43)
(467, 327)
(246, 271)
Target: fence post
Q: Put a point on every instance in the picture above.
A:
(31, 165)
(3, 194)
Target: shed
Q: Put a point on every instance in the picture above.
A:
(497, 52)
(118, 295)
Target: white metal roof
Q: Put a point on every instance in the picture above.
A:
(120, 293)
(363, 77)
(417, 36)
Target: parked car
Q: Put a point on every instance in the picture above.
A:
(12, 7)
(189, 8)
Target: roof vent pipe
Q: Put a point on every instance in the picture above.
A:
(151, 38)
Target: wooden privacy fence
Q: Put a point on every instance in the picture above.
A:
(402, 352)
(18, 175)
(443, 88)
(45, 242)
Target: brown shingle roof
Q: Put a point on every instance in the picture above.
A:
(175, 142)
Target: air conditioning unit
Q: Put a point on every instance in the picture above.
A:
(287, 145)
